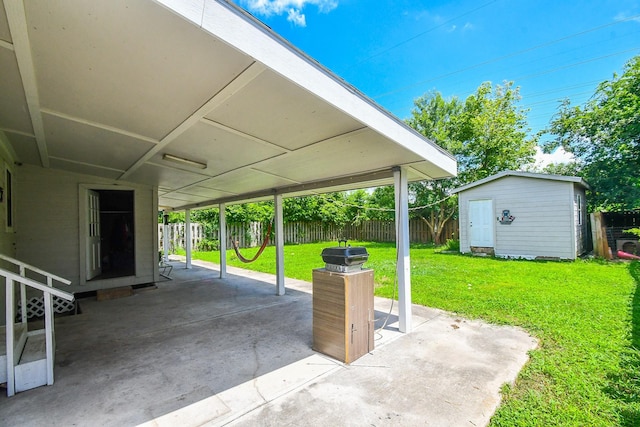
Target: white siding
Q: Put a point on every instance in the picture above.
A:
(7, 235)
(48, 217)
(543, 211)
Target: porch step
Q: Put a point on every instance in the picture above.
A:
(31, 372)
(20, 336)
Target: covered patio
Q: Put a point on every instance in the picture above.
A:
(199, 350)
(175, 105)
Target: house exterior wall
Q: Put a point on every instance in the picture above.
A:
(50, 218)
(7, 234)
(544, 224)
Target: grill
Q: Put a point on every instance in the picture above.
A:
(345, 258)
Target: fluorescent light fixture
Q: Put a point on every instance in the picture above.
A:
(183, 161)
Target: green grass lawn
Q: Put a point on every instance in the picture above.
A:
(586, 315)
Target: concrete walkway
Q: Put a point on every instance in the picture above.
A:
(203, 351)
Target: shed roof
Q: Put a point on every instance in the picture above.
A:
(532, 175)
(109, 89)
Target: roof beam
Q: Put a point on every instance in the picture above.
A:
(22, 48)
(243, 79)
(296, 188)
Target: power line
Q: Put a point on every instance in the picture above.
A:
(555, 69)
(371, 208)
(561, 89)
(575, 64)
(550, 100)
(382, 52)
(501, 58)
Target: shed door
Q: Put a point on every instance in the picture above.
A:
(481, 223)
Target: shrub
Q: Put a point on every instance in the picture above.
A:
(208, 245)
(452, 245)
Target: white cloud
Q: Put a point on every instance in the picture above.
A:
(296, 17)
(558, 156)
(292, 8)
(453, 27)
(624, 16)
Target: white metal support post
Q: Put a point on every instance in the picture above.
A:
(222, 240)
(10, 301)
(49, 332)
(187, 236)
(403, 267)
(279, 225)
(165, 236)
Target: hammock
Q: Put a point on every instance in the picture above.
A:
(234, 243)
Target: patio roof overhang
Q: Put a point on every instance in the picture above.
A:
(110, 88)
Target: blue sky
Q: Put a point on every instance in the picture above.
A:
(396, 51)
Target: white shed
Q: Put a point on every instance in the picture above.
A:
(524, 215)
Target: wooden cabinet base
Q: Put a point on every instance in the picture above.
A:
(343, 314)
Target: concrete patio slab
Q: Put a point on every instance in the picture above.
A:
(203, 351)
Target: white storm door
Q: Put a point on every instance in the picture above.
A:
(481, 223)
(94, 263)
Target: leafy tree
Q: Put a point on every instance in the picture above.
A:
(209, 215)
(382, 201)
(487, 134)
(437, 119)
(492, 133)
(172, 217)
(604, 135)
(329, 208)
(356, 204)
(210, 220)
(247, 212)
(566, 169)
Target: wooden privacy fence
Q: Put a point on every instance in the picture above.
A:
(177, 235)
(252, 234)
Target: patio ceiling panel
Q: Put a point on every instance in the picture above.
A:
(345, 155)
(246, 181)
(11, 118)
(304, 118)
(200, 191)
(25, 146)
(5, 34)
(83, 168)
(80, 142)
(127, 65)
(219, 148)
(167, 177)
(181, 198)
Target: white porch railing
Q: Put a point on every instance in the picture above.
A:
(22, 370)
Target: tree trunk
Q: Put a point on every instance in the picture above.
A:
(436, 224)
